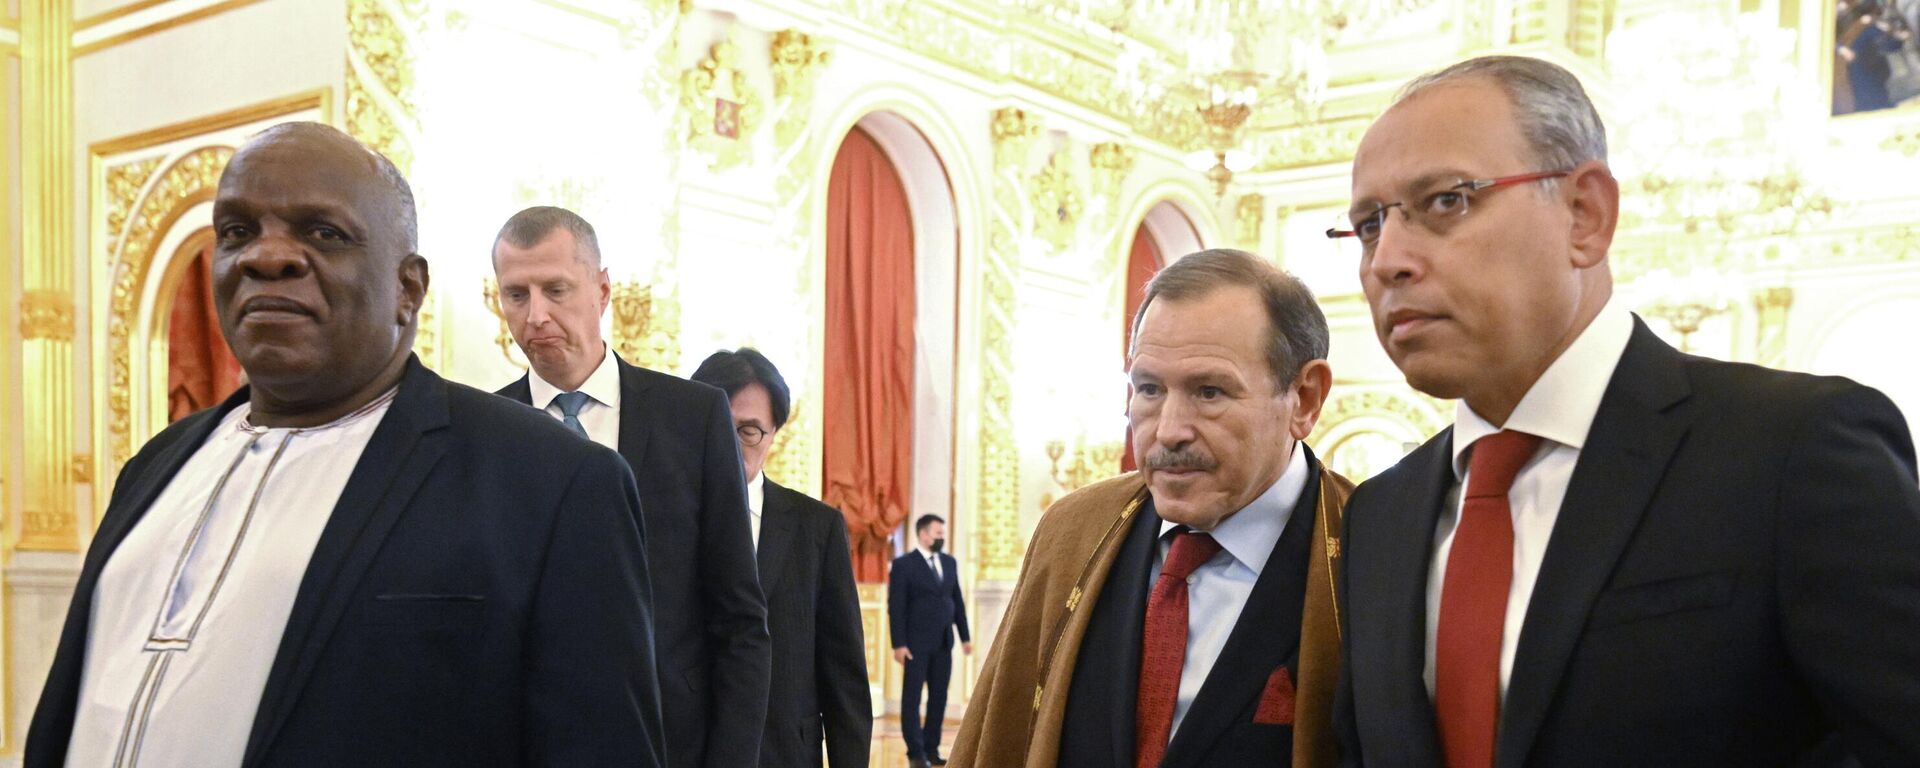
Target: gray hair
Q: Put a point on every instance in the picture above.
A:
(408, 217)
(1561, 126)
(1296, 329)
(527, 228)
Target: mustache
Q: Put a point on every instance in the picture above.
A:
(1180, 459)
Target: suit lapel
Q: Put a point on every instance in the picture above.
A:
(1634, 435)
(1101, 707)
(1265, 635)
(776, 536)
(398, 458)
(1396, 695)
(520, 390)
(634, 425)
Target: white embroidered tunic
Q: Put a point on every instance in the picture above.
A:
(188, 614)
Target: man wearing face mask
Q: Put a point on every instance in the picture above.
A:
(924, 607)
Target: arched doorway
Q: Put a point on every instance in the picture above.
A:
(1164, 234)
(887, 394)
(201, 370)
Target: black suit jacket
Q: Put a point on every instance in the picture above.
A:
(1733, 579)
(1099, 728)
(819, 651)
(478, 597)
(710, 620)
(922, 610)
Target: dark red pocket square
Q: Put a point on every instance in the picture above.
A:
(1276, 702)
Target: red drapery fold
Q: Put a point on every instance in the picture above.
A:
(201, 370)
(867, 405)
(1142, 262)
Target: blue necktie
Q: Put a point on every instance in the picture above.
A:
(570, 404)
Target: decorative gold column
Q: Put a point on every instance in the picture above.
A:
(1249, 214)
(1000, 546)
(380, 95)
(46, 301)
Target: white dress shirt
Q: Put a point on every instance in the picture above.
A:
(1220, 587)
(1560, 408)
(933, 561)
(757, 502)
(187, 618)
(601, 413)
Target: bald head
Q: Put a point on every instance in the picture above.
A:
(309, 132)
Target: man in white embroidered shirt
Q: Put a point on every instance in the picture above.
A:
(351, 561)
(1619, 554)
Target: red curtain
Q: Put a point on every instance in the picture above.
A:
(201, 370)
(1142, 262)
(867, 405)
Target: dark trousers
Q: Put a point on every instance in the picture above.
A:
(931, 670)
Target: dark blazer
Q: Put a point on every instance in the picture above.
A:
(477, 598)
(710, 620)
(922, 610)
(1219, 730)
(819, 650)
(1732, 580)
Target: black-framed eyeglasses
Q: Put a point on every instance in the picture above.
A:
(750, 434)
(1437, 212)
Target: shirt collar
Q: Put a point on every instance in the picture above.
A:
(757, 494)
(1251, 533)
(603, 385)
(1561, 405)
(925, 554)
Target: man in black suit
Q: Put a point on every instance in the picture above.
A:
(1619, 554)
(351, 561)
(710, 620)
(813, 611)
(923, 610)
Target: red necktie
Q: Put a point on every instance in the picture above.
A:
(1473, 603)
(1163, 646)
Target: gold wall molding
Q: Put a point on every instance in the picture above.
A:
(47, 266)
(380, 95)
(789, 460)
(1000, 543)
(503, 338)
(797, 61)
(145, 30)
(47, 315)
(1057, 204)
(646, 325)
(1249, 213)
(720, 108)
(1906, 142)
(185, 183)
(1771, 306)
(1112, 162)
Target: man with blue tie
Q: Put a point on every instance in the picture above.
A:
(924, 608)
(710, 616)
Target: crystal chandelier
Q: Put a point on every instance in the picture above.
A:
(1227, 61)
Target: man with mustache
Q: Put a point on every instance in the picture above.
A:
(1619, 554)
(710, 616)
(351, 561)
(1183, 615)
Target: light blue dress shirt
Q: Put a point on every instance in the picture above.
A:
(1218, 590)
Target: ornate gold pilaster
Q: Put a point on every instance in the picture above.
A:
(1770, 309)
(1112, 162)
(380, 95)
(46, 304)
(1000, 546)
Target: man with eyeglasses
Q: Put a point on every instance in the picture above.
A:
(1619, 554)
(819, 689)
(710, 619)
